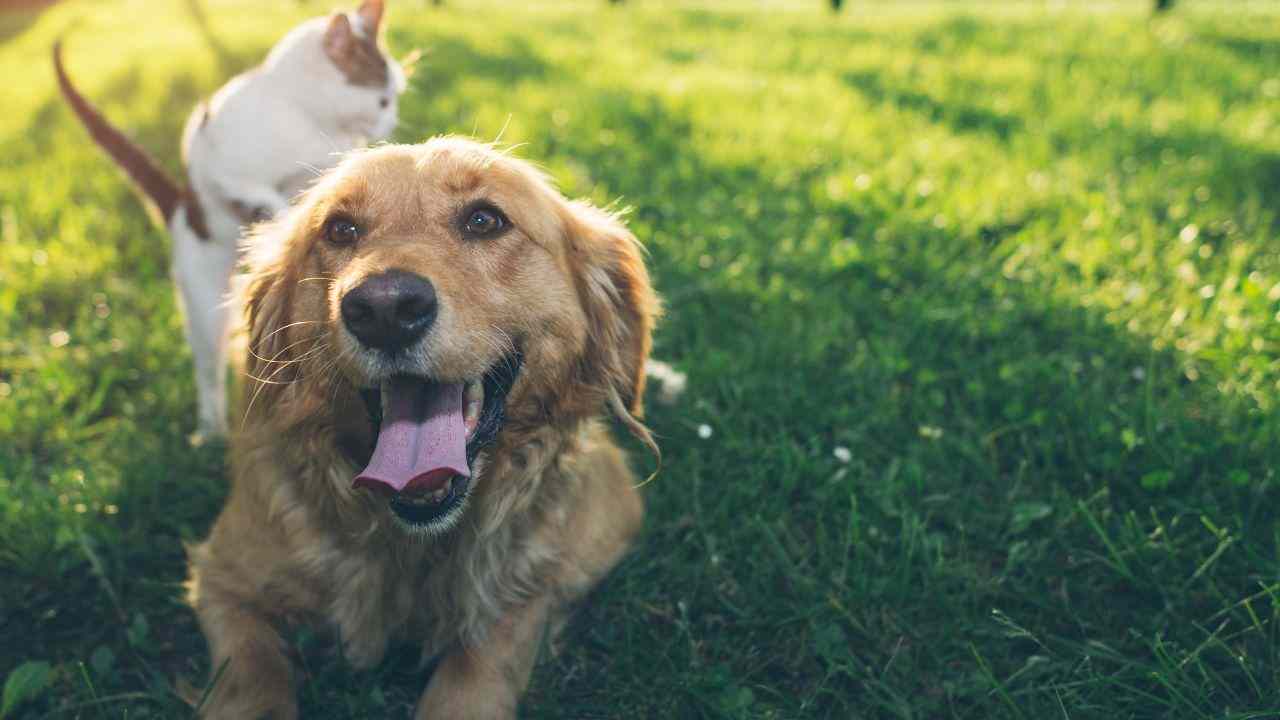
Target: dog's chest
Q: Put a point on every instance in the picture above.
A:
(379, 598)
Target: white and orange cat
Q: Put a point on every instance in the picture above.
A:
(327, 87)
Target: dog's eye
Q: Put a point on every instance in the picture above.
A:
(383, 102)
(484, 221)
(341, 231)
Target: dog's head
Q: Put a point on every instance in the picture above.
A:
(423, 300)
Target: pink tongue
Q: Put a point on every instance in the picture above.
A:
(423, 439)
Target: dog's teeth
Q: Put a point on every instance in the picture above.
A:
(442, 492)
(427, 498)
(474, 402)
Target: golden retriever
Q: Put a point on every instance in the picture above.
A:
(433, 335)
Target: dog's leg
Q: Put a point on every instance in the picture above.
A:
(251, 675)
(486, 682)
(609, 514)
(202, 270)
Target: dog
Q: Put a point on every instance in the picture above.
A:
(435, 339)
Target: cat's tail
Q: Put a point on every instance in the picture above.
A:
(145, 172)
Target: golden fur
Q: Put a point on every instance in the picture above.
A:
(553, 505)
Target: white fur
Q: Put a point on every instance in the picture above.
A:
(202, 271)
(265, 136)
(671, 382)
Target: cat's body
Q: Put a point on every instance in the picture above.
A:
(324, 89)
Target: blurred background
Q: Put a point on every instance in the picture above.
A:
(978, 303)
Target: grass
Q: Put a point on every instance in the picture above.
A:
(979, 306)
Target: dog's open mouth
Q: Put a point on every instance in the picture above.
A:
(428, 434)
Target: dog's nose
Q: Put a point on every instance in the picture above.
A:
(390, 310)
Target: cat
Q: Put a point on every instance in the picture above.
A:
(325, 88)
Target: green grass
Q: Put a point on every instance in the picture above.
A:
(1021, 263)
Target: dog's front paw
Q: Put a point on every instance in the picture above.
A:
(232, 708)
(466, 703)
(462, 688)
(251, 691)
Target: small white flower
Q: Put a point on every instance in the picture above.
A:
(842, 454)
(704, 431)
(1139, 373)
(930, 431)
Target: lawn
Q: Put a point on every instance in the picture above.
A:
(979, 309)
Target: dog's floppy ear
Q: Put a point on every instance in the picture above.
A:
(266, 298)
(620, 306)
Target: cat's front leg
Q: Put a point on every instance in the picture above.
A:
(202, 270)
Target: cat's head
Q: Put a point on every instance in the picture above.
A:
(343, 75)
(351, 44)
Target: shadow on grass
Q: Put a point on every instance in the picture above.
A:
(960, 117)
(705, 20)
(1235, 171)
(1238, 171)
(1246, 49)
(229, 62)
(448, 58)
(1241, 178)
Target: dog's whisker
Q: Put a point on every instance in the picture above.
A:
(274, 361)
(505, 349)
(286, 327)
(267, 381)
(317, 172)
(263, 382)
(501, 132)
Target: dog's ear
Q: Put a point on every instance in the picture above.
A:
(620, 305)
(266, 299)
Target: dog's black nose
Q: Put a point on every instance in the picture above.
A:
(391, 310)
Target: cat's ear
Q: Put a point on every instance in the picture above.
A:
(370, 14)
(339, 38)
